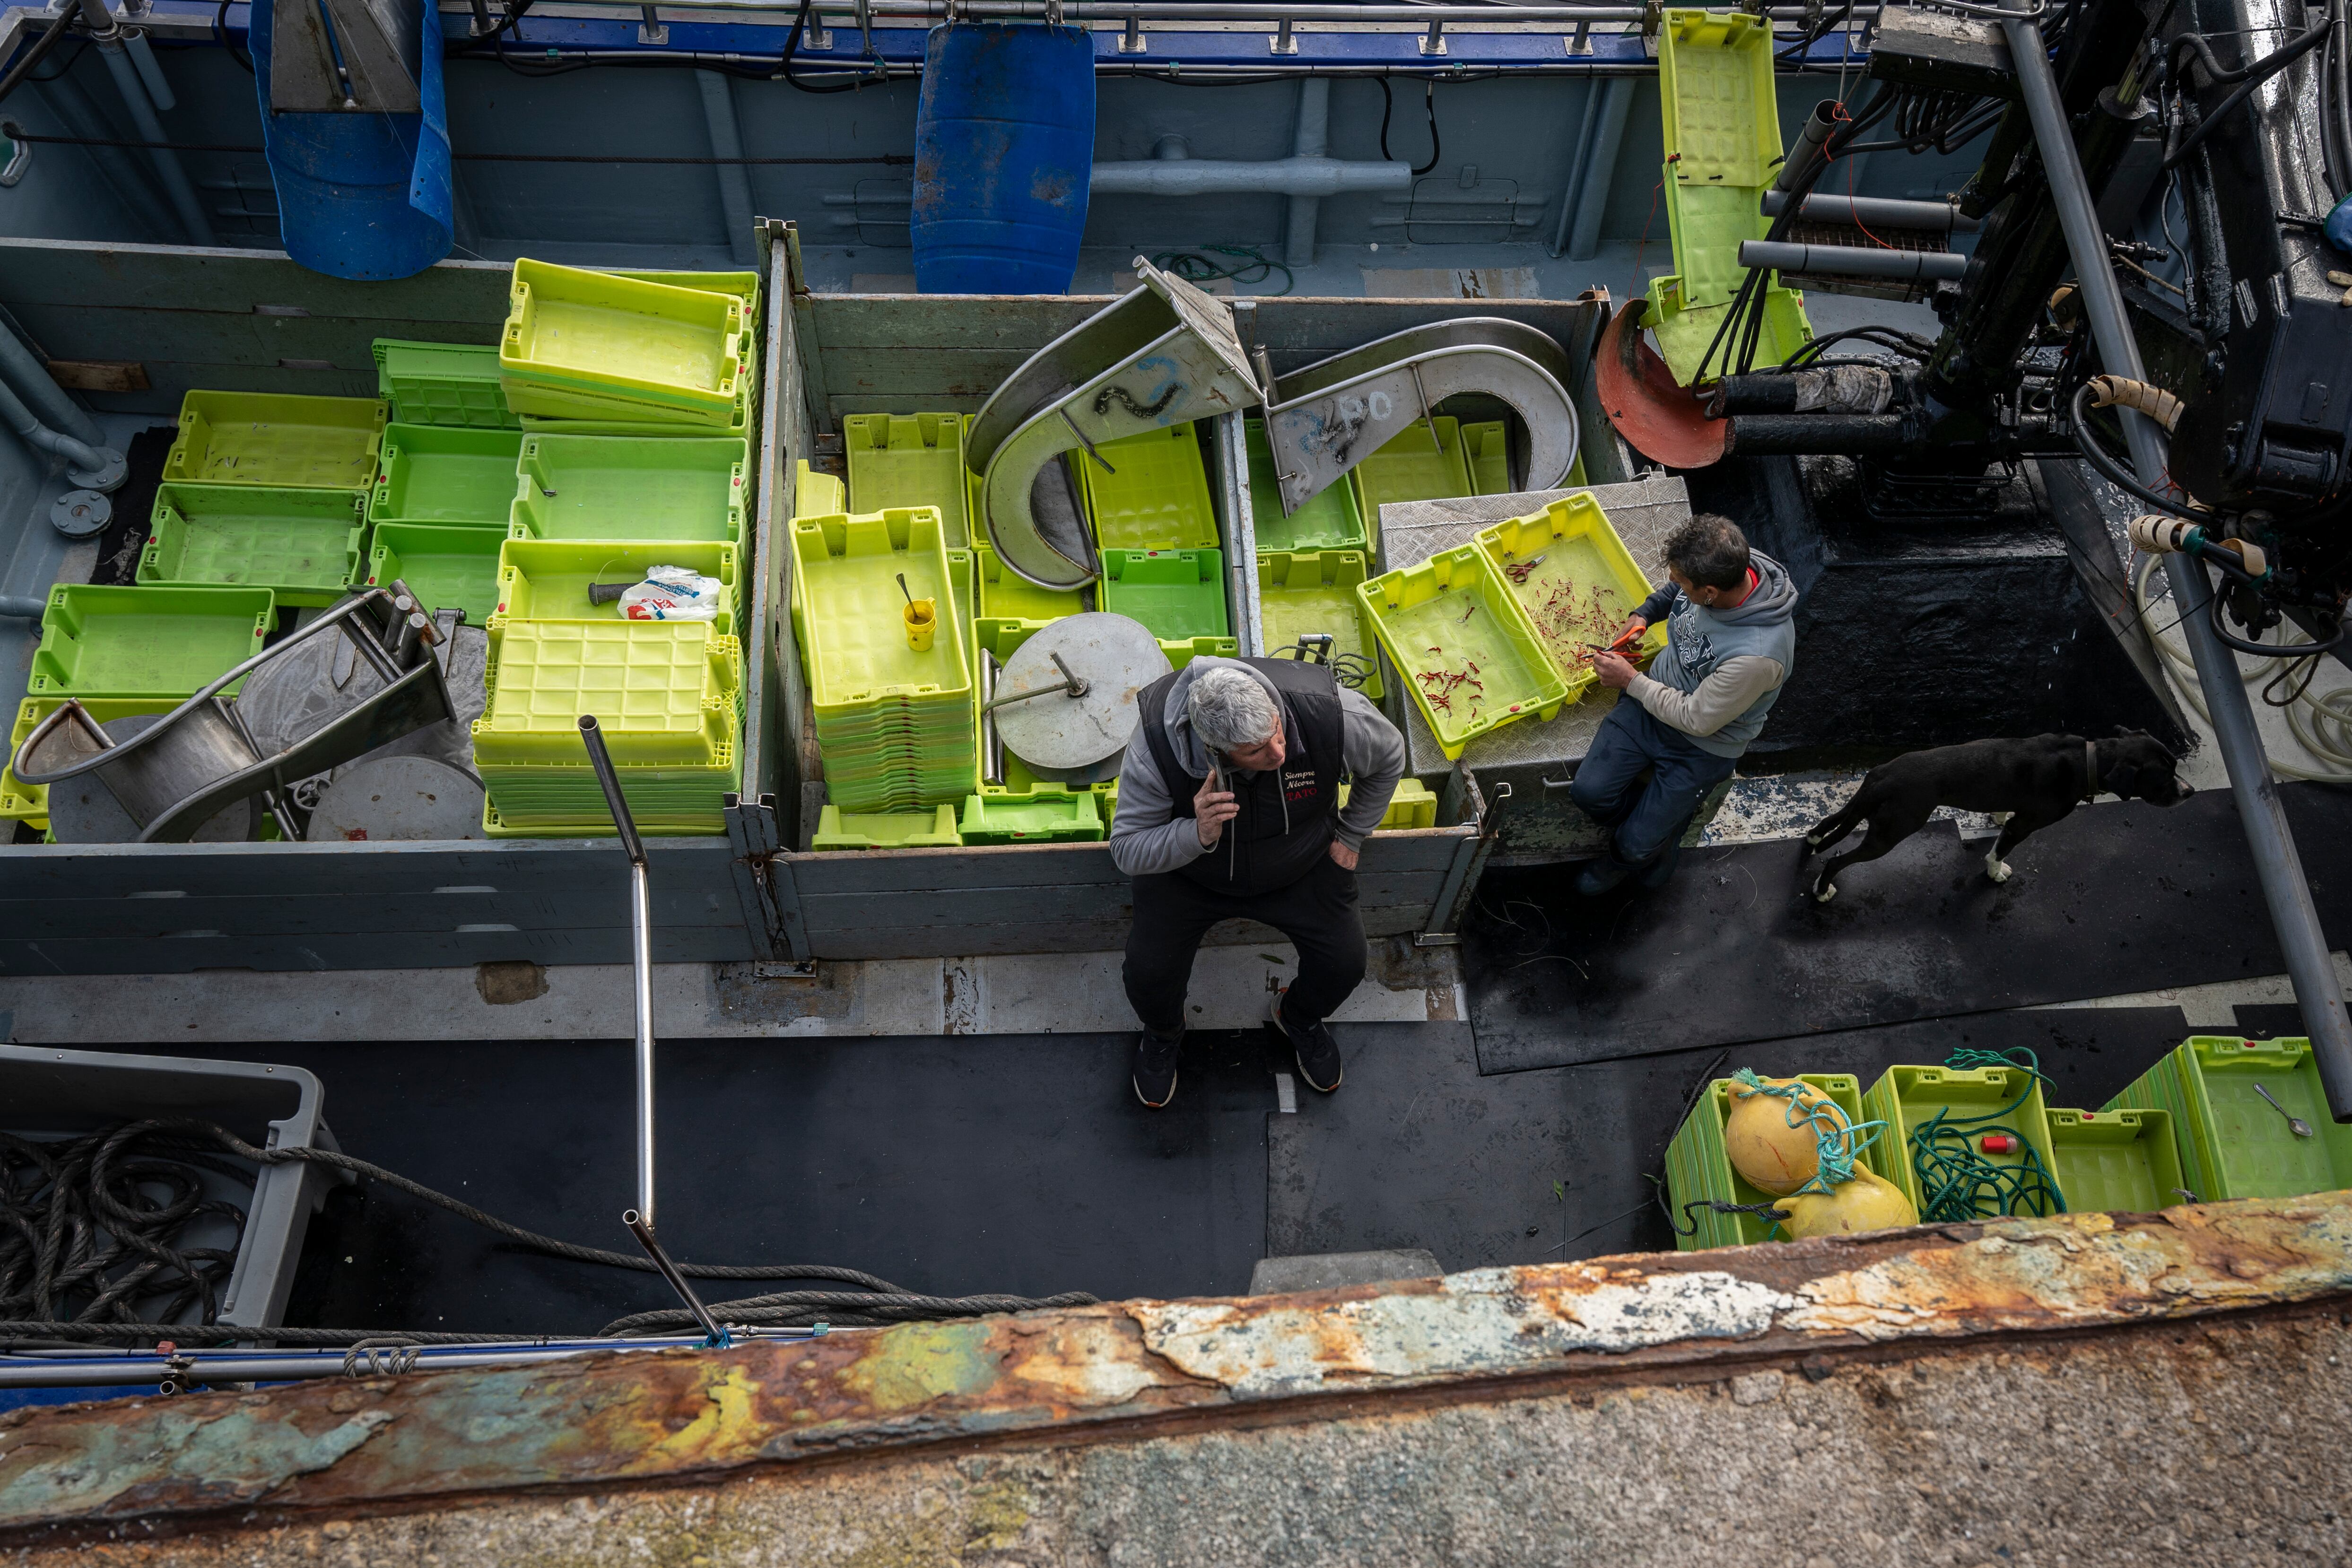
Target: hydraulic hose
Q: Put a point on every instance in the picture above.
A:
(2321, 724)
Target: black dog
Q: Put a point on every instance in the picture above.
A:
(2037, 781)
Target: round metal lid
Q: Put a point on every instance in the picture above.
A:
(397, 797)
(82, 810)
(1113, 656)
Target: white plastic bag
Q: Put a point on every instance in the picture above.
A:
(672, 593)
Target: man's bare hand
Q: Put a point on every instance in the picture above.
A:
(1345, 856)
(1212, 809)
(1634, 627)
(1615, 670)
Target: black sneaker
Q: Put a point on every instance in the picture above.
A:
(1316, 1052)
(1661, 868)
(1154, 1075)
(1600, 874)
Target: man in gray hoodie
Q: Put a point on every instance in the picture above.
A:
(1731, 641)
(1229, 808)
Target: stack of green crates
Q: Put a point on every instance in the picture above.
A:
(2232, 1143)
(612, 349)
(895, 723)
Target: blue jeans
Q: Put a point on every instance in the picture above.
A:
(1608, 785)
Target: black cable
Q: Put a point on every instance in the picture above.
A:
(1387, 104)
(2270, 651)
(843, 1309)
(2270, 65)
(793, 47)
(220, 36)
(56, 33)
(2116, 473)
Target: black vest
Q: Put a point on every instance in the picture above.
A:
(1285, 821)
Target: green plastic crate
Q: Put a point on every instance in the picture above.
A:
(1698, 1169)
(145, 642)
(675, 354)
(743, 286)
(1313, 592)
(276, 438)
(1412, 467)
(1005, 594)
(1044, 815)
(1178, 594)
(564, 801)
(581, 413)
(908, 459)
(1457, 605)
(663, 691)
(548, 579)
(815, 494)
(1412, 806)
(1158, 498)
(2117, 1162)
(1486, 449)
(1905, 1097)
(1329, 520)
(433, 473)
(1722, 134)
(304, 545)
(2233, 1144)
(442, 383)
(1003, 637)
(1578, 583)
(30, 803)
(934, 829)
(856, 650)
(445, 565)
(630, 488)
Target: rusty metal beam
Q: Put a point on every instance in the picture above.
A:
(1114, 1372)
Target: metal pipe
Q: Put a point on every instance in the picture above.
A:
(92, 468)
(23, 606)
(150, 68)
(1593, 201)
(1849, 261)
(1314, 140)
(2294, 917)
(1420, 16)
(1220, 176)
(1807, 151)
(31, 380)
(1572, 194)
(1939, 217)
(108, 35)
(734, 179)
(127, 1370)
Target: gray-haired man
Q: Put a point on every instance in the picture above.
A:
(1229, 808)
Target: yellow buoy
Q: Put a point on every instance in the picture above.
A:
(1770, 1154)
(1869, 1202)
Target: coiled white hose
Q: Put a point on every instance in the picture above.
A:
(2322, 724)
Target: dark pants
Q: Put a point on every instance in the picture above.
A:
(1609, 788)
(1318, 913)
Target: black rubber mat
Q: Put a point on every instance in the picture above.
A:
(950, 1166)
(2118, 898)
(1419, 1148)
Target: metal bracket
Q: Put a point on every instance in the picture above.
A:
(1282, 43)
(1432, 42)
(1132, 42)
(1580, 42)
(816, 35)
(651, 29)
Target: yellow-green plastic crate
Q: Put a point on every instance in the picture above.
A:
(857, 652)
(1329, 520)
(1043, 816)
(908, 459)
(30, 803)
(276, 438)
(1414, 466)
(1906, 1097)
(2117, 1162)
(107, 641)
(663, 691)
(1305, 592)
(445, 565)
(933, 829)
(307, 546)
(1005, 594)
(630, 488)
(548, 579)
(1454, 615)
(743, 286)
(1158, 498)
(1698, 1168)
(583, 415)
(564, 800)
(815, 494)
(442, 383)
(677, 354)
(1582, 587)
(1176, 595)
(1003, 637)
(1412, 806)
(1486, 449)
(2233, 1144)
(434, 473)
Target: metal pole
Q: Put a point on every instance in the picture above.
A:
(2285, 890)
(108, 35)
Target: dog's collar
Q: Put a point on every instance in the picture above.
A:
(2090, 770)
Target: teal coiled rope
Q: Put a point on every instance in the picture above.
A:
(1955, 1181)
(1841, 1141)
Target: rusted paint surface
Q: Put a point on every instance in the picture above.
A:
(1068, 1376)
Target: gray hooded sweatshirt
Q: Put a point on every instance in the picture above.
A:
(1148, 838)
(1721, 670)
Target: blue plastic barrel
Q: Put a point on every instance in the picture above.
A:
(360, 196)
(1004, 144)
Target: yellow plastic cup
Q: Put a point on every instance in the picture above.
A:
(923, 618)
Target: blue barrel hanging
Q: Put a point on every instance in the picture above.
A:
(363, 195)
(1004, 144)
